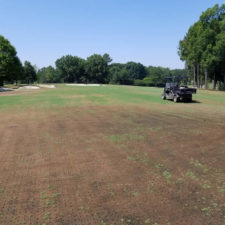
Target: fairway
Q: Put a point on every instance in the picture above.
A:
(111, 155)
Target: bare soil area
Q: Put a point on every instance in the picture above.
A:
(111, 165)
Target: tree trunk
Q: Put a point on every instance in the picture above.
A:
(214, 82)
(206, 78)
(1, 83)
(224, 81)
(198, 76)
(194, 75)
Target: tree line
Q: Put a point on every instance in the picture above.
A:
(72, 69)
(203, 48)
(99, 69)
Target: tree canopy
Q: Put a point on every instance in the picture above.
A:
(10, 65)
(203, 47)
(29, 73)
(70, 68)
(48, 75)
(96, 68)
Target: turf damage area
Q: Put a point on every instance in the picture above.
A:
(106, 159)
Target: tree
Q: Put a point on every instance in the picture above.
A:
(135, 70)
(97, 68)
(122, 77)
(29, 73)
(210, 20)
(190, 50)
(219, 48)
(126, 73)
(70, 68)
(202, 47)
(18, 71)
(107, 58)
(47, 75)
(10, 65)
(114, 70)
(158, 75)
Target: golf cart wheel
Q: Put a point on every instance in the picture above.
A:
(163, 97)
(175, 98)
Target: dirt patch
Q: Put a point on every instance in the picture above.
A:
(111, 165)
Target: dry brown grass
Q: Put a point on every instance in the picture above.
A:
(111, 165)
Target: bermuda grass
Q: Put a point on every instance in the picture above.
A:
(103, 95)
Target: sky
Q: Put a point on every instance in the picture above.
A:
(145, 31)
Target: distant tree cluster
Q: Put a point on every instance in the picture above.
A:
(72, 69)
(137, 74)
(99, 69)
(203, 48)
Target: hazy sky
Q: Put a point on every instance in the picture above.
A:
(144, 31)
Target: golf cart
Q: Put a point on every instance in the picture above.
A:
(173, 90)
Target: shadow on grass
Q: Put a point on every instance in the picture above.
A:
(193, 101)
(186, 102)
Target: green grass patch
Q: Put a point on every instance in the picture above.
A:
(122, 138)
(64, 95)
(197, 164)
(71, 96)
(47, 216)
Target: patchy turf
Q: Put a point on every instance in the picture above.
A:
(111, 155)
